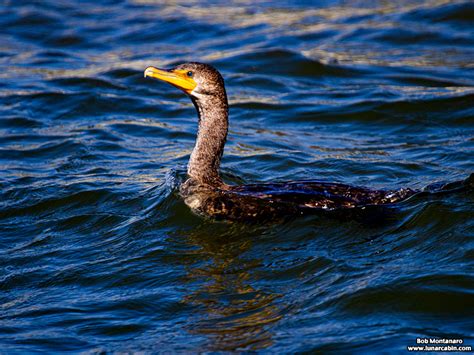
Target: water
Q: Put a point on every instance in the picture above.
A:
(99, 253)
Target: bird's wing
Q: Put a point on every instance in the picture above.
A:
(321, 195)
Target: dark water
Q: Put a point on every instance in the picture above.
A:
(98, 252)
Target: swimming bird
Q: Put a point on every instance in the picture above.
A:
(207, 194)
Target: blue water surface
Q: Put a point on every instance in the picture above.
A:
(98, 253)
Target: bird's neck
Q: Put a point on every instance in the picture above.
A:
(205, 159)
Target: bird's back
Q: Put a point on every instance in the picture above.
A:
(269, 200)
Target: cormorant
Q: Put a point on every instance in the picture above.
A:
(205, 192)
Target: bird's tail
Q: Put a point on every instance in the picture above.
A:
(460, 185)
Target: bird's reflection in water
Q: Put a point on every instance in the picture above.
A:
(233, 312)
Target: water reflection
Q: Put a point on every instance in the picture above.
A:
(231, 311)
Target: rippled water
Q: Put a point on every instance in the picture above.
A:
(97, 250)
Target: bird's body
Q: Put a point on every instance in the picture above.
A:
(205, 192)
(272, 200)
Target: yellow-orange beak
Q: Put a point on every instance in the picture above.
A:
(176, 78)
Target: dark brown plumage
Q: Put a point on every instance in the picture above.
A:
(205, 192)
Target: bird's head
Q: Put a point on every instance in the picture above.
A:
(198, 80)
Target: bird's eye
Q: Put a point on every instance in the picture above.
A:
(189, 73)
